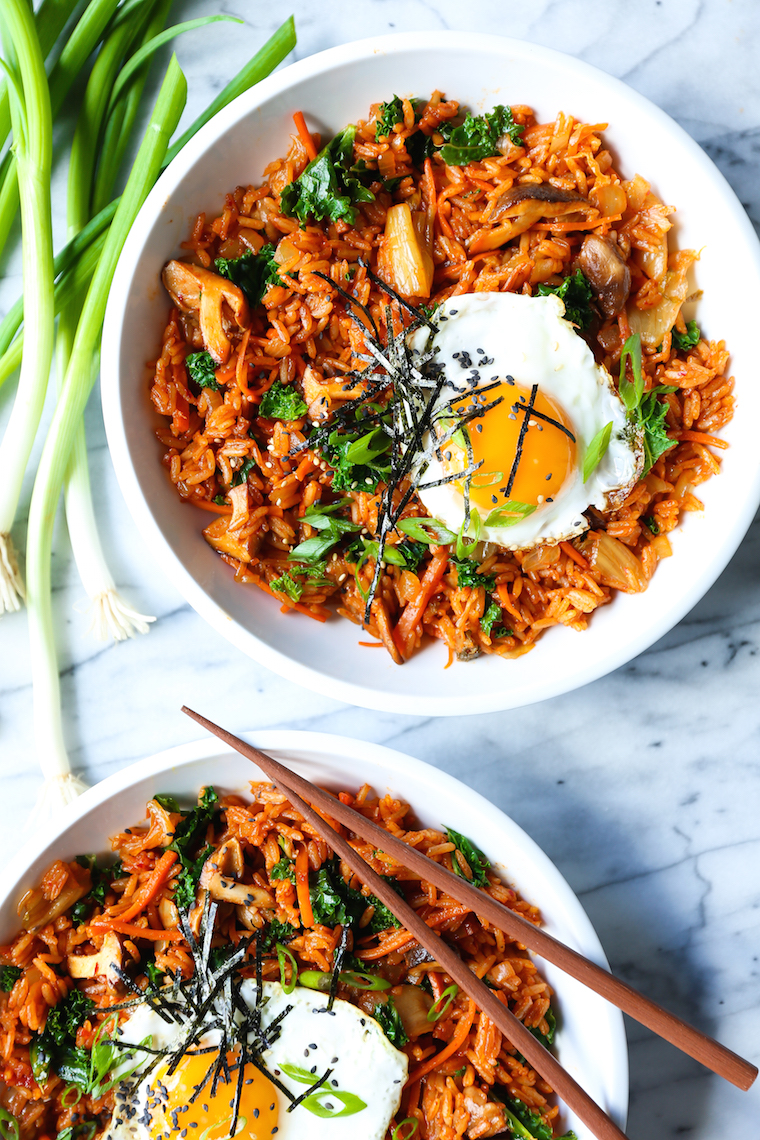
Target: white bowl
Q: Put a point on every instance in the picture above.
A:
(591, 1039)
(336, 87)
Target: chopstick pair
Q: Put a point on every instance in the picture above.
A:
(697, 1045)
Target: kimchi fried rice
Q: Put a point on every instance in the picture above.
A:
(249, 883)
(270, 346)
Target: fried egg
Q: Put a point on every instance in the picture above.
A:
(554, 400)
(359, 1098)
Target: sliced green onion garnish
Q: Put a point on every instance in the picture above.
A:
(361, 981)
(413, 1126)
(442, 1003)
(284, 954)
(9, 1129)
(314, 980)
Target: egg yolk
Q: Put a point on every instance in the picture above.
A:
(547, 453)
(208, 1117)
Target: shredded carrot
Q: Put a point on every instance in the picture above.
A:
(503, 591)
(402, 938)
(304, 135)
(371, 644)
(215, 508)
(702, 437)
(413, 612)
(320, 614)
(302, 887)
(571, 552)
(151, 887)
(460, 1036)
(137, 931)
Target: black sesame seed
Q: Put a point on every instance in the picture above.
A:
(550, 500)
(334, 1061)
(256, 1113)
(548, 477)
(453, 312)
(494, 499)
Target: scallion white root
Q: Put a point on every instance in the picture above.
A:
(55, 794)
(111, 616)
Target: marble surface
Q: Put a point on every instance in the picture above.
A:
(644, 787)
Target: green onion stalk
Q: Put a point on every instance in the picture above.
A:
(111, 97)
(32, 129)
(274, 51)
(60, 784)
(79, 46)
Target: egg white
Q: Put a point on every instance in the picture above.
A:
(529, 339)
(344, 1039)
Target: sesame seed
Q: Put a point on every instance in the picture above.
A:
(549, 500)
(494, 499)
(548, 477)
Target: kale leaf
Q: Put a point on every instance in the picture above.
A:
(53, 1049)
(100, 879)
(334, 902)
(329, 186)
(188, 833)
(322, 518)
(489, 619)
(652, 414)
(202, 370)
(286, 584)
(241, 475)
(576, 293)
(467, 574)
(390, 1023)
(419, 146)
(153, 973)
(282, 402)
(474, 857)
(359, 459)
(551, 1021)
(64, 1019)
(285, 869)
(644, 409)
(9, 975)
(689, 339)
(388, 115)
(253, 273)
(167, 802)
(477, 137)
(277, 931)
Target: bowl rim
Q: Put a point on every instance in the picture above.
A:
(341, 751)
(355, 692)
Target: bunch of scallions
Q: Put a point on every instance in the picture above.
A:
(99, 53)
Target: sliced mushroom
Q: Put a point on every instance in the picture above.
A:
(227, 859)
(191, 288)
(521, 207)
(416, 955)
(535, 192)
(607, 273)
(106, 963)
(243, 894)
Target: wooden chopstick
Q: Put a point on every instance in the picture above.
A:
(685, 1037)
(485, 999)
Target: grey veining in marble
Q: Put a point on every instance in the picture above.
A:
(644, 787)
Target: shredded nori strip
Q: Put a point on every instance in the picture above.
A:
(546, 419)
(521, 439)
